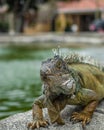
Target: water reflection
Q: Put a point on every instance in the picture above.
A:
(19, 76)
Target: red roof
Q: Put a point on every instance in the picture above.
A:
(81, 5)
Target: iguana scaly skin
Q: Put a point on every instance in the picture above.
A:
(68, 81)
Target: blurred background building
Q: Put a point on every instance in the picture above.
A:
(82, 12)
(32, 16)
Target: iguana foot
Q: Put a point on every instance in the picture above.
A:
(38, 124)
(82, 116)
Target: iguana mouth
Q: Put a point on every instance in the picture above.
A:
(44, 76)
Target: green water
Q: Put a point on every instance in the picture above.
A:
(19, 76)
(19, 79)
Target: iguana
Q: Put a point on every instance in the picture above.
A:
(68, 80)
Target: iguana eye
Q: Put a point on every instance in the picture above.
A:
(59, 64)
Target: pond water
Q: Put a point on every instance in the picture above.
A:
(19, 76)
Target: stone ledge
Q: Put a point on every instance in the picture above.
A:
(19, 121)
(53, 38)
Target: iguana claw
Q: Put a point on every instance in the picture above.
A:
(83, 117)
(38, 124)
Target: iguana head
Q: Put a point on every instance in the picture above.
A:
(52, 67)
(56, 76)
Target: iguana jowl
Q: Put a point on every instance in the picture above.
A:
(68, 82)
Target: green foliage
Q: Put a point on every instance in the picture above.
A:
(4, 26)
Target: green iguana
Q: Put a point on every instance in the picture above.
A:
(68, 81)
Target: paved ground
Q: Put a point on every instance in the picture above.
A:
(69, 39)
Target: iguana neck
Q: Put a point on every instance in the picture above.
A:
(76, 77)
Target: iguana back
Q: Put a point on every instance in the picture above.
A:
(90, 76)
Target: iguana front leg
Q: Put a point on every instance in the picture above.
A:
(89, 99)
(85, 115)
(38, 119)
